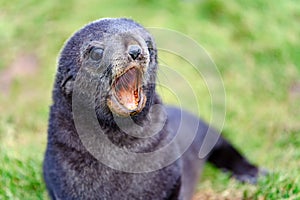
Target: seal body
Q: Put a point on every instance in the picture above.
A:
(106, 74)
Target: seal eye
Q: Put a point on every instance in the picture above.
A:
(96, 53)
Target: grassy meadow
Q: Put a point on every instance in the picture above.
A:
(254, 44)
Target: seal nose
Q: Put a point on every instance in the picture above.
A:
(134, 51)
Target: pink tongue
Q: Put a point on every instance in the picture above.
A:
(126, 89)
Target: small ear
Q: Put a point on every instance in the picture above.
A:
(67, 84)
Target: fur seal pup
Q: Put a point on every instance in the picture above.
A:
(123, 59)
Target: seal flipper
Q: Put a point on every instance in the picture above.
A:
(226, 157)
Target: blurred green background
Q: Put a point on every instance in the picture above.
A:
(255, 45)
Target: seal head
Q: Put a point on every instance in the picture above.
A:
(123, 61)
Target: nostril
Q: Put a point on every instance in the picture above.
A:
(134, 51)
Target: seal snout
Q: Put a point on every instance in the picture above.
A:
(130, 61)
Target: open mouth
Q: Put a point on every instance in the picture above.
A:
(127, 96)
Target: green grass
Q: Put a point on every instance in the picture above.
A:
(255, 45)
